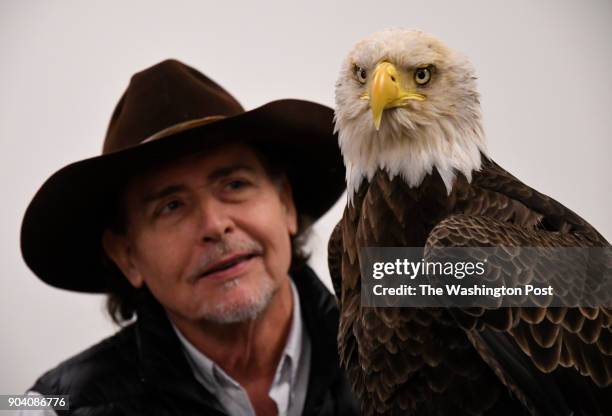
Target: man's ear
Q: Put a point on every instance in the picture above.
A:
(290, 210)
(118, 249)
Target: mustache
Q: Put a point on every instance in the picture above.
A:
(223, 249)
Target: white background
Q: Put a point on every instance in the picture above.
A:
(544, 73)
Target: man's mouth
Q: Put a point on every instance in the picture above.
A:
(227, 263)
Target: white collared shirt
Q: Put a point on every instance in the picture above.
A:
(290, 383)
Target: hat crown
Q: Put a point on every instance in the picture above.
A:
(162, 96)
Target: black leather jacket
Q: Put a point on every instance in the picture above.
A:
(141, 370)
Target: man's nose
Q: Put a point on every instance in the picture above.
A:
(214, 220)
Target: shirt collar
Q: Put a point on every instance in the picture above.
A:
(201, 365)
(293, 347)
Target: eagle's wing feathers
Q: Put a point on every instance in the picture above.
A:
(342, 261)
(567, 337)
(551, 214)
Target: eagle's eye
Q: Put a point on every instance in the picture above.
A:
(361, 74)
(422, 76)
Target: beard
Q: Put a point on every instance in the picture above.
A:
(245, 309)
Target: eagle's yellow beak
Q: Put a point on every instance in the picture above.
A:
(386, 91)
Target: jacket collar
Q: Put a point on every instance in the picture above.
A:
(163, 366)
(321, 316)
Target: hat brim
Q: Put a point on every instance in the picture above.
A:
(63, 225)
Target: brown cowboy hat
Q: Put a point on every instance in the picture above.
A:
(169, 110)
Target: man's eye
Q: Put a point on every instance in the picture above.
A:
(170, 207)
(236, 184)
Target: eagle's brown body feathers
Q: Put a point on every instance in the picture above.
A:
(435, 361)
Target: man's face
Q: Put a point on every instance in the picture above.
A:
(209, 235)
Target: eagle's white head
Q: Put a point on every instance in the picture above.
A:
(406, 103)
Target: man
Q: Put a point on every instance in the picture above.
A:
(191, 220)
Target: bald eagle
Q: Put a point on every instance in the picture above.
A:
(419, 175)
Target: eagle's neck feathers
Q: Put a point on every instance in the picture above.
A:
(402, 147)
